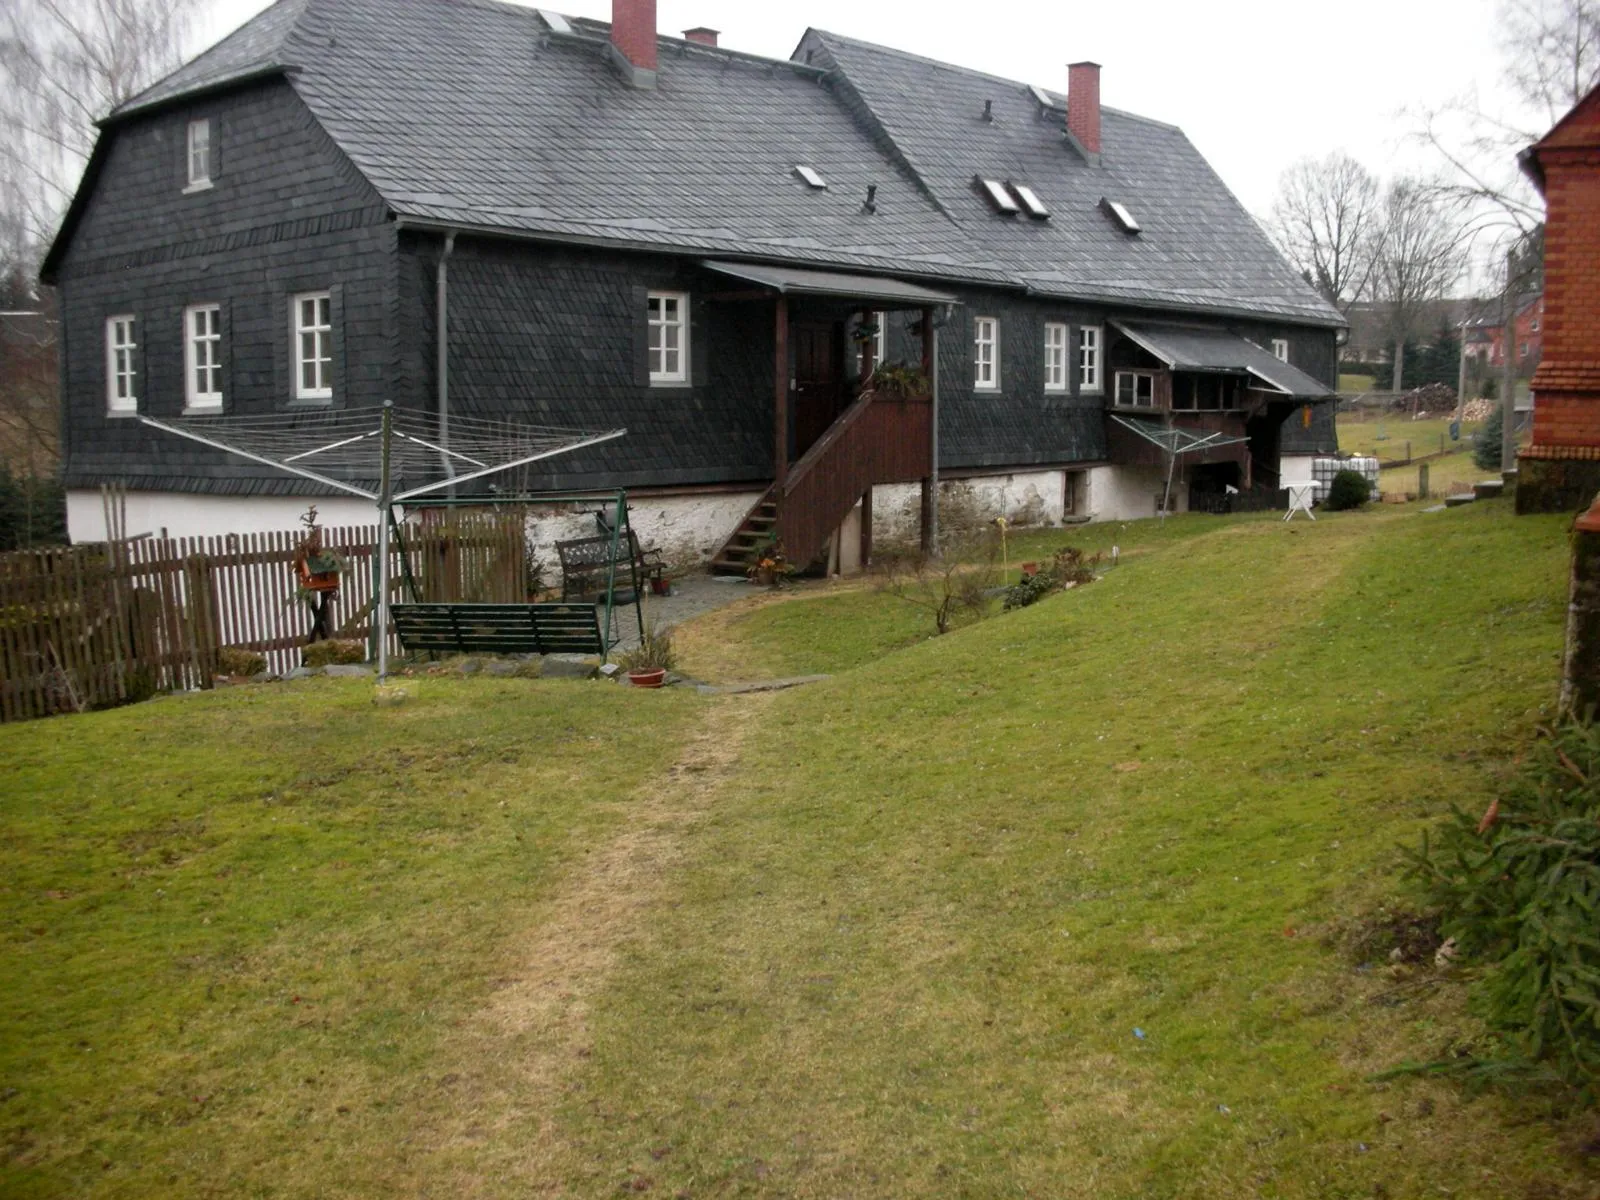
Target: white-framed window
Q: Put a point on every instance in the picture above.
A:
(1089, 358)
(986, 354)
(1136, 389)
(871, 355)
(1055, 357)
(199, 154)
(669, 337)
(122, 371)
(312, 314)
(1280, 349)
(202, 355)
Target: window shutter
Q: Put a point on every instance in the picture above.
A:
(141, 362)
(639, 326)
(230, 397)
(1074, 351)
(699, 343)
(341, 375)
(282, 346)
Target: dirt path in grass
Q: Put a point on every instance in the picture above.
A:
(520, 1058)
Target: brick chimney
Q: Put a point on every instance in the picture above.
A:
(1083, 106)
(702, 35)
(633, 40)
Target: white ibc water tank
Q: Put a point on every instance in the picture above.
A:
(1324, 469)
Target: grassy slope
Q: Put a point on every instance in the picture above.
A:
(275, 942)
(238, 927)
(916, 942)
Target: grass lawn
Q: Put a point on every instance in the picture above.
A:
(1356, 383)
(1039, 908)
(1386, 438)
(1453, 473)
(239, 927)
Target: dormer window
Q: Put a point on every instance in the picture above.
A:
(199, 155)
(812, 178)
(1031, 202)
(1000, 196)
(1120, 215)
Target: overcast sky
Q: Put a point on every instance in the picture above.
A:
(1255, 84)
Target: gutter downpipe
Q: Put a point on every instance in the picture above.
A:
(442, 321)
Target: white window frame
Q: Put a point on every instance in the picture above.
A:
(660, 375)
(1055, 356)
(1280, 349)
(1090, 340)
(122, 368)
(322, 345)
(197, 148)
(1135, 376)
(202, 352)
(986, 354)
(879, 346)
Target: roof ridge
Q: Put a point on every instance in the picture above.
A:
(974, 73)
(269, 56)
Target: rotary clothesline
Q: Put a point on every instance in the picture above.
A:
(345, 448)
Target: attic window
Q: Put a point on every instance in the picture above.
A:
(1121, 216)
(1030, 201)
(1000, 197)
(1045, 99)
(811, 177)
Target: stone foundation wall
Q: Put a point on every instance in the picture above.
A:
(1552, 485)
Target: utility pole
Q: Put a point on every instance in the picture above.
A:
(1508, 391)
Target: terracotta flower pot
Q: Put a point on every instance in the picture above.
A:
(661, 587)
(648, 679)
(1030, 569)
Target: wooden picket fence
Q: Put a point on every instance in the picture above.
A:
(97, 625)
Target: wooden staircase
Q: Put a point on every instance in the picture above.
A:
(738, 555)
(877, 440)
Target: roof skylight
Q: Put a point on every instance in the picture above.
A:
(1000, 197)
(811, 177)
(1120, 214)
(1030, 201)
(1045, 99)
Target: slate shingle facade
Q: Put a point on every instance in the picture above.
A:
(351, 134)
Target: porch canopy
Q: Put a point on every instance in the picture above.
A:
(1188, 348)
(875, 291)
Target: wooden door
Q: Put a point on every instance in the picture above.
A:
(818, 380)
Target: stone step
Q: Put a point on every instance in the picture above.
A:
(1458, 501)
(1489, 489)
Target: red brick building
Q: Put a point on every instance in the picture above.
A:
(1485, 336)
(1561, 470)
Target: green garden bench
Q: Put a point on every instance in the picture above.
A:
(500, 628)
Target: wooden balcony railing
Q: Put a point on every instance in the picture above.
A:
(878, 439)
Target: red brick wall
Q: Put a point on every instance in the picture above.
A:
(1566, 415)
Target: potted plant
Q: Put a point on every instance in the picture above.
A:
(897, 381)
(771, 566)
(647, 663)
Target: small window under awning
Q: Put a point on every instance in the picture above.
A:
(793, 281)
(1190, 348)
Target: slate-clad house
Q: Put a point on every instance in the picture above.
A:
(492, 210)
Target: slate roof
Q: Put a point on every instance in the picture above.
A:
(482, 115)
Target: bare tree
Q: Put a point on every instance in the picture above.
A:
(63, 65)
(1324, 219)
(1420, 254)
(1551, 52)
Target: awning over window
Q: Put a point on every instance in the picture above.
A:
(1187, 348)
(1176, 441)
(876, 290)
